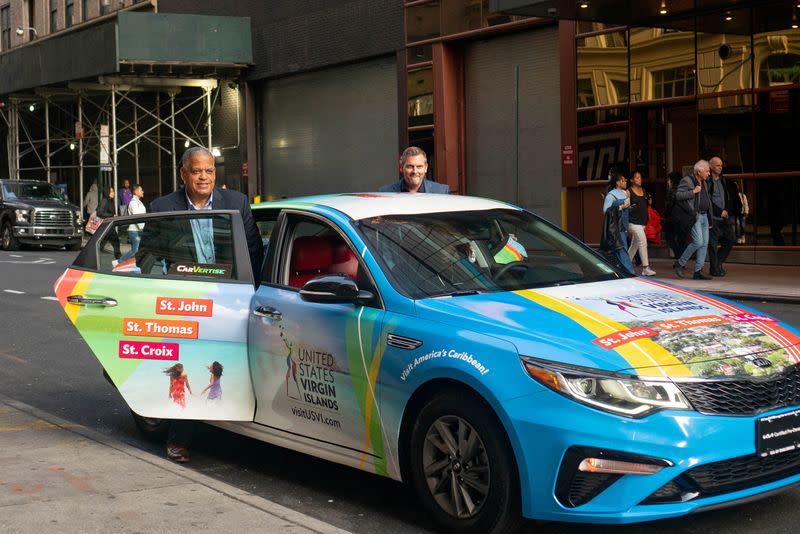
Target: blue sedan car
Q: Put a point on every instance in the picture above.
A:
(465, 346)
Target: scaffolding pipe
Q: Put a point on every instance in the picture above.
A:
(47, 137)
(172, 129)
(80, 153)
(114, 140)
(208, 116)
(136, 143)
(159, 156)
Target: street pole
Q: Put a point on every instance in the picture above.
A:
(208, 116)
(47, 137)
(172, 130)
(80, 151)
(114, 140)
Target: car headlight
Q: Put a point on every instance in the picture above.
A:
(611, 392)
(78, 217)
(22, 216)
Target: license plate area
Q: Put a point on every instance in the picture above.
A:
(778, 434)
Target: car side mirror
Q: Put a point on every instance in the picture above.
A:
(334, 288)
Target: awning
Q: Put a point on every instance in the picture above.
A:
(131, 43)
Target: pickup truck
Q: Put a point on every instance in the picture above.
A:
(33, 213)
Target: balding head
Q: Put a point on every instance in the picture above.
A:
(715, 165)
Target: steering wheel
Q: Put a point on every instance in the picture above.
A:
(509, 266)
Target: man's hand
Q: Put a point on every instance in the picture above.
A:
(724, 214)
(697, 189)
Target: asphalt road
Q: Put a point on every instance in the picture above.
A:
(44, 363)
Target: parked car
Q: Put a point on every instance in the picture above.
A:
(465, 346)
(34, 213)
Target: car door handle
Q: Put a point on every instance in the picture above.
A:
(267, 311)
(83, 301)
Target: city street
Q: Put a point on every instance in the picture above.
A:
(45, 364)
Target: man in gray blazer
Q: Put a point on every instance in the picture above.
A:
(414, 167)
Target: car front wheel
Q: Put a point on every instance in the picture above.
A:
(462, 467)
(7, 239)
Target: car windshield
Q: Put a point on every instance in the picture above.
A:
(461, 253)
(28, 190)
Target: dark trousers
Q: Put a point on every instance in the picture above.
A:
(676, 241)
(721, 238)
(180, 432)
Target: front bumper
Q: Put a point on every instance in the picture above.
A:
(48, 235)
(546, 426)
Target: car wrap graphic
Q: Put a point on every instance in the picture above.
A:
(157, 325)
(667, 331)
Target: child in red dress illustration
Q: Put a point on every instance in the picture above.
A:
(178, 383)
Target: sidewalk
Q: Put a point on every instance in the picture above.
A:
(59, 477)
(773, 283)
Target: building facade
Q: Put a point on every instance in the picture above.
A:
(528, 101)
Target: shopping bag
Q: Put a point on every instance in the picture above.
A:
(93, 224)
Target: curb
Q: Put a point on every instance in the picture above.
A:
(231, 492)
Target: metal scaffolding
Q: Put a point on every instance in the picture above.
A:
(106, 121)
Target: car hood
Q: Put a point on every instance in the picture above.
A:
(636, 326)
(28, 203)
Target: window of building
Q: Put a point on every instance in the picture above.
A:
(53, 15)
(5, 27)
(678, 81)
(602, 63)
(31, 19)
(69, 13)
(420, 97)
(422, 22)
(84, 10)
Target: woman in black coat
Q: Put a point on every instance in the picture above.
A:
(675, 236)
(105, 210)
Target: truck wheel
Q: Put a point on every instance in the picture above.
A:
(74, 246)
(462, 467)
(7, 239)
(153, 429)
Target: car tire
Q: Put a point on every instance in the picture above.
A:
(74, 246)
(152, 428)
(7, 239)
(474, 488)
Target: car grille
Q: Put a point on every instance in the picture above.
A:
(52, 218)
(744, 397)
(728, 476)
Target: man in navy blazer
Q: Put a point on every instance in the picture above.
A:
(414, 167)
(198, 193)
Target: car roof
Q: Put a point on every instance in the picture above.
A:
(365, 205)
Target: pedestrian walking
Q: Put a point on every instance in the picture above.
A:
(135, 207)
(90, 201)
(726, 206)
(615, 219)
(694, 201)
(637, 221)
(106, 210)
(125, 196)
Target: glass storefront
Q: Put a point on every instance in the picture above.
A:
(725, 84)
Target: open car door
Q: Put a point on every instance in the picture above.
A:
(168, 319)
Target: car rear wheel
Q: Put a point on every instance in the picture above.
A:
(152, 428)
(462, 468)
(7, 239)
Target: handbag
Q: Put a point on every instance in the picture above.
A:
(93, 224)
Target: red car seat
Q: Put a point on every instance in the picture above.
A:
(311, 257)
(344, 261)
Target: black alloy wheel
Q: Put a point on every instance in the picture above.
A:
(462, 466)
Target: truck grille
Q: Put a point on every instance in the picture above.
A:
(52, 218)
(744, 397)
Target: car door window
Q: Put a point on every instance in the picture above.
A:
(194, 245)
